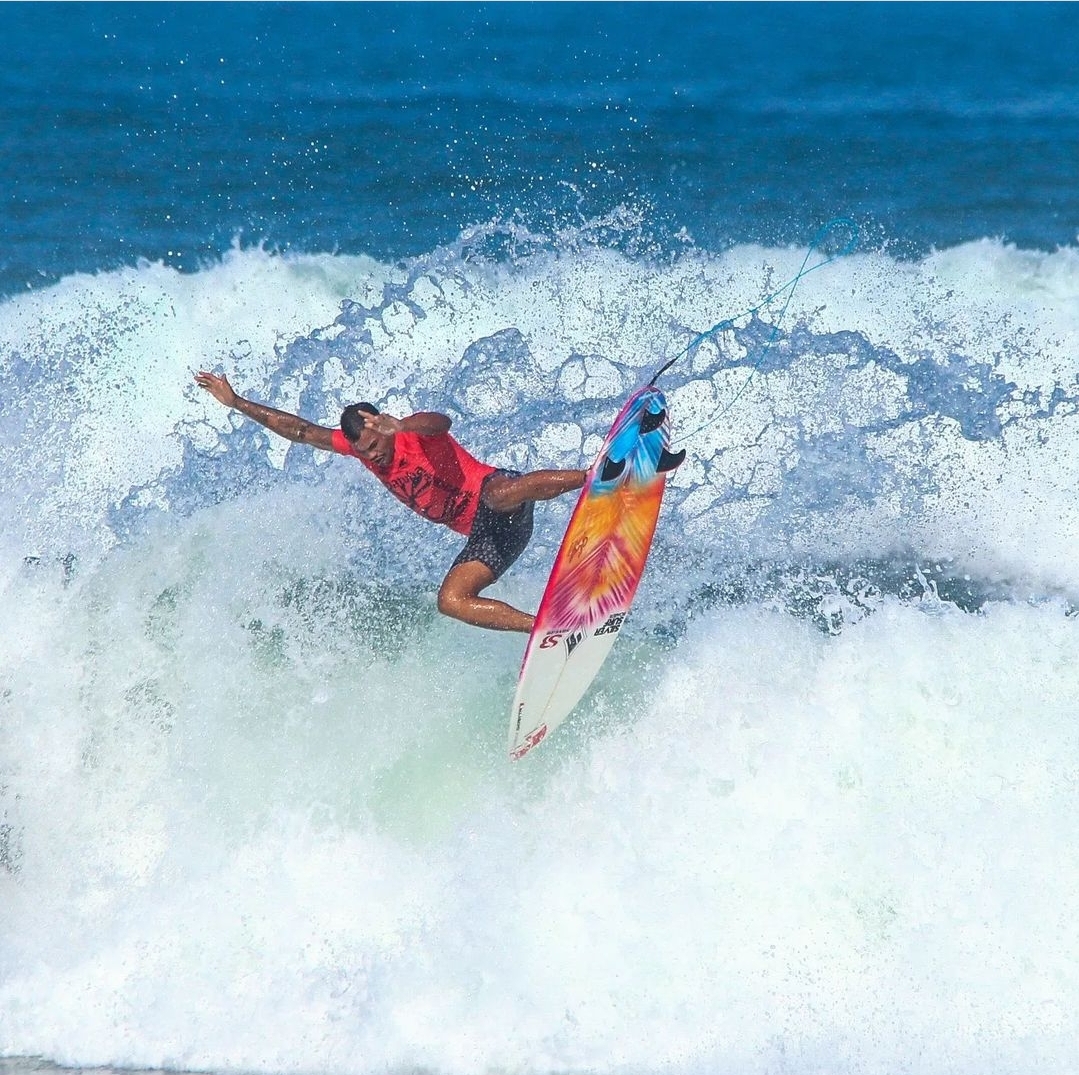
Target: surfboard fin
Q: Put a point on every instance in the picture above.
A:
(650, 421)
(668, 461)
(611, 469)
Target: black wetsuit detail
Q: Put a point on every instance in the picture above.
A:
(498, 537)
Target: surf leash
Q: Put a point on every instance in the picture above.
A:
(789, 287)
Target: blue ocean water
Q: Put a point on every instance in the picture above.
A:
(818, 812)
(167, 131)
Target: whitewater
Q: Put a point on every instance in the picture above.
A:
(816, 814)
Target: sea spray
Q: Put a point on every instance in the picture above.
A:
(817, 811)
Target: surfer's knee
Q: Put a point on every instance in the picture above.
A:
(461, 586)
(500, 492)
(450, 599)
(450, 604)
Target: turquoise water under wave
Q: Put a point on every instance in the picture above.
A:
(817, 813)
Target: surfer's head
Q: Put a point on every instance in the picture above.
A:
(365, 439)
(353, 421)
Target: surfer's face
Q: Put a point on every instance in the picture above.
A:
(372, 446)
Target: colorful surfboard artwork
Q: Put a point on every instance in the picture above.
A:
(597, 570)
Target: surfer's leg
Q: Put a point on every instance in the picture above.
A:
(505, 492)
(459, 598)
(496, 540)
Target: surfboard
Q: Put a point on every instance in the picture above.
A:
(597, 570)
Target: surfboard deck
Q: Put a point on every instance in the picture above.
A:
(597, 570)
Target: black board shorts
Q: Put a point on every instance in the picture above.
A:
(497, 538)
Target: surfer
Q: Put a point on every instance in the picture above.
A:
(418, 461)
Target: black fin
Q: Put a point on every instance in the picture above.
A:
(611, 469)
(650, 421)
(667, 461)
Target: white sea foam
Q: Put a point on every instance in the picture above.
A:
(817, 813)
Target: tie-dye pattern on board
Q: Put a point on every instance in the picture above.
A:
(602, 557)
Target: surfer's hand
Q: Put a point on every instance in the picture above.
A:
(218, 387)
(383, 424)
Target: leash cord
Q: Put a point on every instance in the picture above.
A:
(728, 323)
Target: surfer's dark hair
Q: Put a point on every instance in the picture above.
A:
(352, 420)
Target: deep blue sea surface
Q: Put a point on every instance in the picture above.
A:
(166, 131)
(818, 812)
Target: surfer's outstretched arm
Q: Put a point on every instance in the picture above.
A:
(290, 426)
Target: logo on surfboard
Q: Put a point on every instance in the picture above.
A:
(530, 741)
(613, 624)
(572, 639)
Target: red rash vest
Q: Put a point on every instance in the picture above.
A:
(432, 475)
